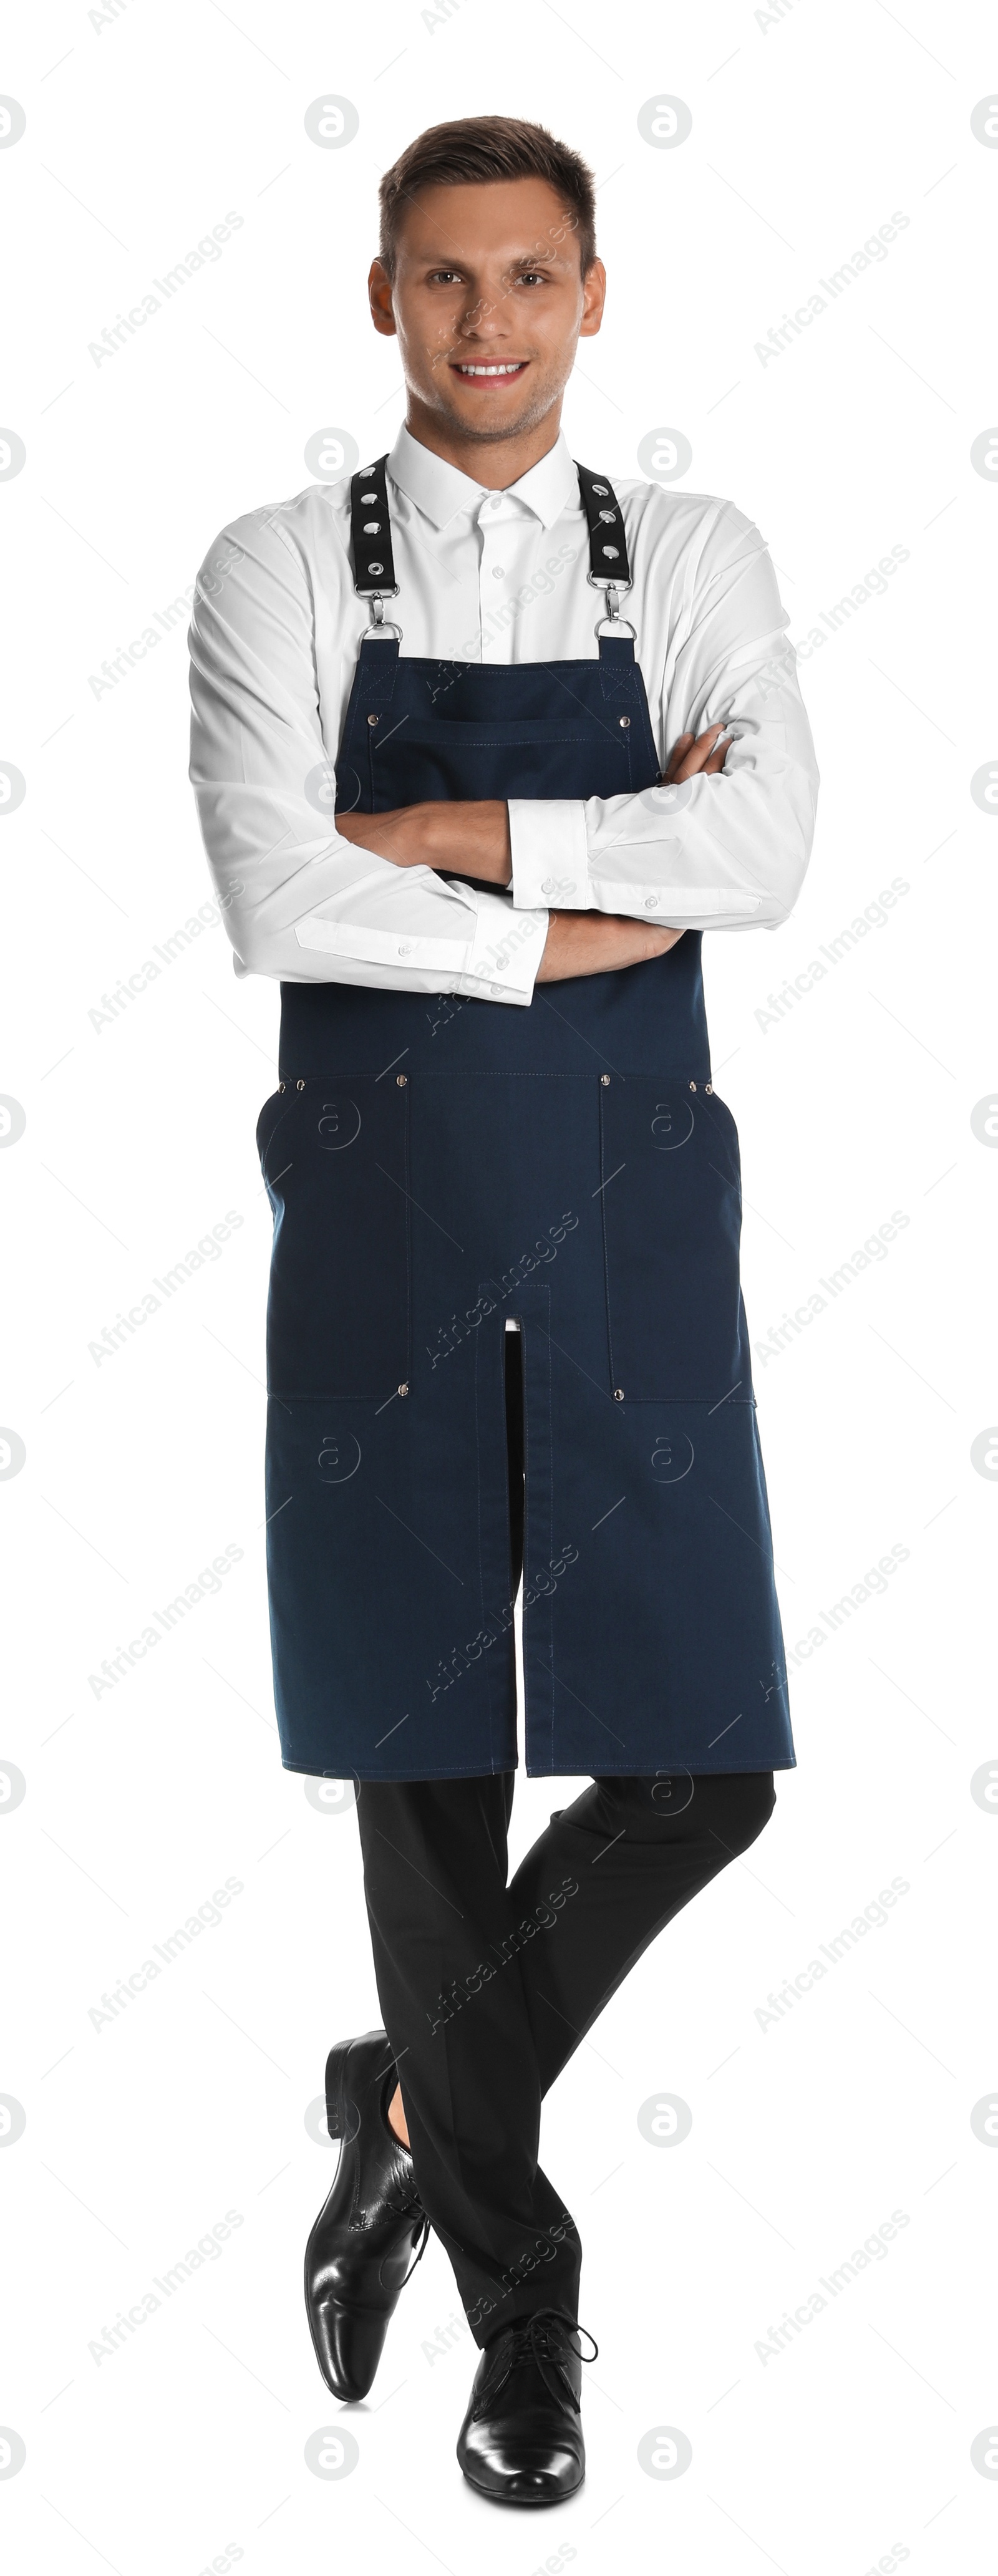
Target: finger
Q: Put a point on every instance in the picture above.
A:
(710, 740)
(703, 751)
(695, 761)
(670, 772)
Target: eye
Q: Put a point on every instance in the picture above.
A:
(448, 274)
(531, 276)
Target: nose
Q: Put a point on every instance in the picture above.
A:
(484, 318)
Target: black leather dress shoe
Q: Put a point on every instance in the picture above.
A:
(361, 2249)
(521, 2439)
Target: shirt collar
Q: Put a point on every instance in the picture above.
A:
(441, 491)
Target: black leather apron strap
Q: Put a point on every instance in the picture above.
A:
(371, 534)
(608, 561)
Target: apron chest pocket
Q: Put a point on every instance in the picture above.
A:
(671, 1194)
(335, 1159)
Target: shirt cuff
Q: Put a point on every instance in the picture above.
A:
(550, 854)
(505, 952)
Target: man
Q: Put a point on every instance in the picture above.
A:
(505, 1270)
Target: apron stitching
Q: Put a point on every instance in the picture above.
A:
(606, 1259)
(489, 1689)
(550, 1466)
(545, 1333)
(525, 1373)
(408, 1235)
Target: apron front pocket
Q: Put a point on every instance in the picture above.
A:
(449, 757)
(671, 1194)
(335, 1160)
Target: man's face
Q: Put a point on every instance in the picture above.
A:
(488, 303)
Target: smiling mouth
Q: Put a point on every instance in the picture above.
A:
(490, 375)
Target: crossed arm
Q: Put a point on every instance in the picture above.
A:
(440, 835)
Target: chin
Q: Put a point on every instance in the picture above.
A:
(511, 425)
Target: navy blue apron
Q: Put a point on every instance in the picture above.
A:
(437, 1165)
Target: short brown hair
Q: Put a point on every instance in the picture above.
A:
(478, 149)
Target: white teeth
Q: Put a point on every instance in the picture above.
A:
(492, 371)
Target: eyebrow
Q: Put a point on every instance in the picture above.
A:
(522, 259)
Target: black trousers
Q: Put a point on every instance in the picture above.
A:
(486, 1988)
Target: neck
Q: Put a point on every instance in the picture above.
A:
(493, 462)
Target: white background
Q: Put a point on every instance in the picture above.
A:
(145, 124)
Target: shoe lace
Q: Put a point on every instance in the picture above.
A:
(543, 2339)
(424, 2233)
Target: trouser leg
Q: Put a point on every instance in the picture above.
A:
(448, 1975)
(487, 1990)
(633, 1852)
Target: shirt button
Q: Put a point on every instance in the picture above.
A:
(497, 988)
(650, 902)
(496, 501)
(405, 947)
(498, 573)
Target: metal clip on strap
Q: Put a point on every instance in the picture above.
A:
(371, 542)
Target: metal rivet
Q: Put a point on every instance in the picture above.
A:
(693, 1086)
(373, 567)
(618, 1395)
(403, 1390)
(401, 1078)
(624, 720)
(367, 497)
(372, 527)
(282, 1086)
(372, 720)
(604, 1077)
(602, 489)
(609, 517)
(611, 551)
(300, 1086)
(708, 1086)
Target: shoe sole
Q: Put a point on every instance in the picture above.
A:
(527, 2504)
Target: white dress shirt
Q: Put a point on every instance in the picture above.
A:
(489, 577)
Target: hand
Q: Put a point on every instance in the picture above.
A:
(470, 837)
(596, 943)
(690, 759)
(593, 943)
(459, 838)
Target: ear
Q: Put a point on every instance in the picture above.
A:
(379, 290)
(593, 300)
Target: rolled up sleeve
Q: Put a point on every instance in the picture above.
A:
(728, 852)
(298, 901)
